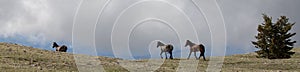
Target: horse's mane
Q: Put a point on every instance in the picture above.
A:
(188, 42)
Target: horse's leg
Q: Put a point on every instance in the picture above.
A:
(195, 55)
(56, 49)
(166, 55)
(171, 56)
(189, 55)
(161, 54)
(202, 54)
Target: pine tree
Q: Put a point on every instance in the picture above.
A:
(273, 39)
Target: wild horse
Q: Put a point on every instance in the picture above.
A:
(168, 48)
(195, 48)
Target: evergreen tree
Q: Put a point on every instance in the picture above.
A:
(273, 39)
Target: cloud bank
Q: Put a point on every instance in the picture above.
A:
(40, 22)
(37, 21)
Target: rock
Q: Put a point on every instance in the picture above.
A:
(34, 65)
(37, 64)
(40, 68)
(24, 50)
(9, 49)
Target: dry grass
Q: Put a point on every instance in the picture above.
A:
(249, 62)
(14, 57)
(17, 58)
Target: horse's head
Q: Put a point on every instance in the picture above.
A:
(187, 43)
(159, 44)
(54, 45)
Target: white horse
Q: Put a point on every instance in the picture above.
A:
(195, 48)
(165, 48)
(62, 48)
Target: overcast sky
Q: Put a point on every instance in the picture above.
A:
(39, 22)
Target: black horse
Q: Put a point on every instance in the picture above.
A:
(62, 48)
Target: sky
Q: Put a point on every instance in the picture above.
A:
(109, 28)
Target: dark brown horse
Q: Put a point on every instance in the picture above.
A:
(62, 48)
(195, 48)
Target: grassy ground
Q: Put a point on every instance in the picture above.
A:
(249, 62)
(17, 58)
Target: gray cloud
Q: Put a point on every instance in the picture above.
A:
(42, 21)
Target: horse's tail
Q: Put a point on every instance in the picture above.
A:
(170, 47)
(170, 50)
(202, 48)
